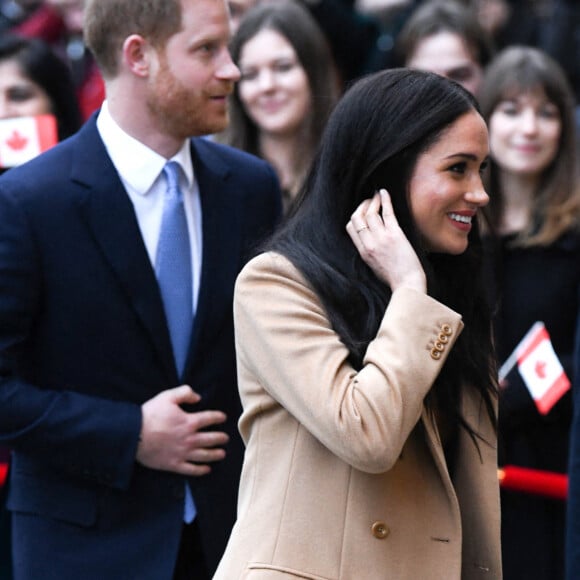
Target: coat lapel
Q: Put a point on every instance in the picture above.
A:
(221, 215)
(109, 214)
(436, 447)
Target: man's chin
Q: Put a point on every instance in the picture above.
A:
(209, 127)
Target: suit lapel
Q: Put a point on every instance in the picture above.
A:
(221, 215)
(109, 214)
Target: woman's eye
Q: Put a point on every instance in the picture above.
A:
(458, 168)
(549, 112)
(507, 108)
(248, 75)
(20, 94)
(284, 66)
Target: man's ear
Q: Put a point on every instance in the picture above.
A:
(137, 55)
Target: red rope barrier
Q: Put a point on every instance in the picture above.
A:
(546, 483)
(3, 473)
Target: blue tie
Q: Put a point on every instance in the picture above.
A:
(173, 269)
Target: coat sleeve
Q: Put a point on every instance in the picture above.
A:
(289, 355)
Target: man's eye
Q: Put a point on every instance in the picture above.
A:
(209, 48)
(461, 75)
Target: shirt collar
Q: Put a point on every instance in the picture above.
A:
(138, 165)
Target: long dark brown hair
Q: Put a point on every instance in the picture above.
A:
(373, 139)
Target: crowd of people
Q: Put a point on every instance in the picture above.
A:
(254, 304)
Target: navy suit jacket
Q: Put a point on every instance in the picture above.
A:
(84, 342)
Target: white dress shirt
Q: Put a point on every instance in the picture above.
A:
(141, 172)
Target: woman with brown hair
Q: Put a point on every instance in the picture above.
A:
(287, 90)
(534, 246)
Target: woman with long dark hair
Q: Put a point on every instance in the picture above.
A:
(36, 81)
(365, 355)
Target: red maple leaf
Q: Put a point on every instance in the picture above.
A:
(16, 141)
(540, 369)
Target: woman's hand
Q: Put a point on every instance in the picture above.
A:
(383, 246)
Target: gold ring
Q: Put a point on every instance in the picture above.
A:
(361, 229)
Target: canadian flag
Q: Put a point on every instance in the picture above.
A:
(22, 138)
(539, 367)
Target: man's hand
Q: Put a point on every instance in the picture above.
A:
(172, 440)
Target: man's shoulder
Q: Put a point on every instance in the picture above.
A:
(250, 180)
(230, 157)
(50, 165)
(60, 173)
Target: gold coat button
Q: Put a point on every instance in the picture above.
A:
(446, 329)
(380, 530)
(443, 338)
(439, 346)
(435, 354)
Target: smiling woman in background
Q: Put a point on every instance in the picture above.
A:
(534, 213)
(287, 89)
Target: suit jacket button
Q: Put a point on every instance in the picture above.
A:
(446, 329)
(380, 530)
(435, 354)
(439, 346)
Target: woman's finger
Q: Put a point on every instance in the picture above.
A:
(387, 206)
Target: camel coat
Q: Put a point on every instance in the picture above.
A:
(344, 475)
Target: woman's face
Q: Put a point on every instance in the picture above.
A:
(524, 133)
(445, 190)
(447, 54)
(274, 88)
(19, 96)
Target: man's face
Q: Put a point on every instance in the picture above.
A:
(447, 54)
(192, 76)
